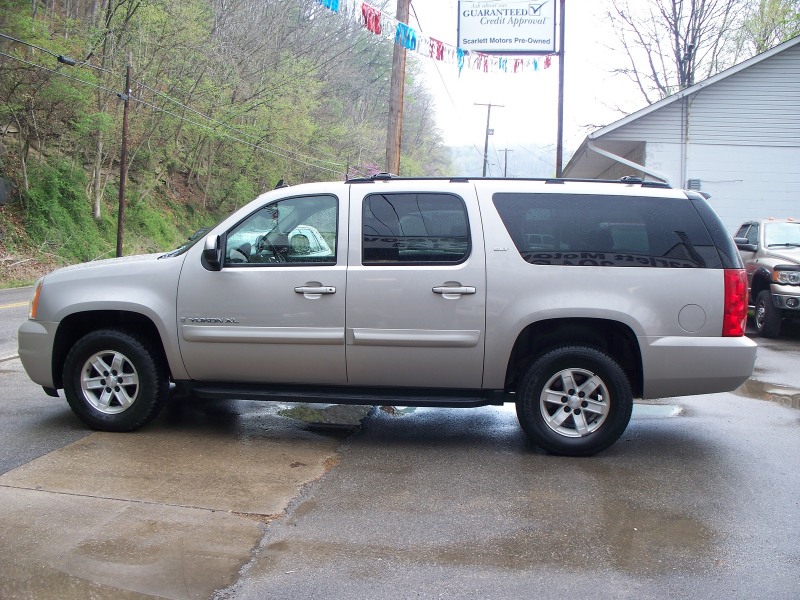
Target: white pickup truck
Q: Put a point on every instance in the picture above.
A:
(569, 298)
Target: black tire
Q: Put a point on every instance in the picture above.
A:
(133, 400)
(565, 438)
(768, 318)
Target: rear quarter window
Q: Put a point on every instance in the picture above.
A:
(612, 231)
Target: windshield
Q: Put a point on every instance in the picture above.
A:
(782, 234)
(193, 239)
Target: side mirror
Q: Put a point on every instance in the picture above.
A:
(212, 253)
(744, 244)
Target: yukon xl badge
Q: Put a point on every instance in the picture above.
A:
(209, 320)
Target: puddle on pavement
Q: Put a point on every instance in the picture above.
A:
(643, 410)
(399, 411)
(779, 394)
(333, 417)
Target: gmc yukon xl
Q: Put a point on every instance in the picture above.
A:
(568, 298)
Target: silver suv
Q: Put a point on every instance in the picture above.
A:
(569, 298)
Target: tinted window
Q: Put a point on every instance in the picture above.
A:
(742, 231)
(292, 231)
(752, 234)
(615, 231)
(414, 228)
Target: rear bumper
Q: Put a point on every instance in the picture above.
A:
(686, 366)
(36, 350)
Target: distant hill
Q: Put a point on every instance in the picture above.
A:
(523, 161)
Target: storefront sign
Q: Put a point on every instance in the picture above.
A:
(507, 26)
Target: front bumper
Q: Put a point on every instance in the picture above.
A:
(787, 301)
(36, 350)
(686, 366)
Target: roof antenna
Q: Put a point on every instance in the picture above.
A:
(281, 185)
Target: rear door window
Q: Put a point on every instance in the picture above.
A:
(613, 231)
(414, 229)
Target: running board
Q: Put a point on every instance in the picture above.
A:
(348, 395)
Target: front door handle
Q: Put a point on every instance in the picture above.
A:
(315, 289)
(463, 290)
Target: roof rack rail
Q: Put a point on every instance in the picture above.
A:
(462, 178)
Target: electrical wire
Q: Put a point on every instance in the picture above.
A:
(444, 85)
(548, 163)
(158, 108)
(170, 113)
(336, 164)
(100, 87)
(234, 129)
(58, 57)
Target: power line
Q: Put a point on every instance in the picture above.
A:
(444, 85)
(232, 137)
(233, 128)
(59, 57)
(172, 114)
(100, 87)
(71, 62)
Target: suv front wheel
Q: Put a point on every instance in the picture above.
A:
(115, 380)
(574, 401)
(768, 317)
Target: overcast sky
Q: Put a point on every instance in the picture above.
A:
(530, 99)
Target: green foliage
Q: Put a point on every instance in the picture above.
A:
(295, 92)
(57, 219)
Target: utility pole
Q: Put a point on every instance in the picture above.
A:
(505, 152)
(486, 143)
(394, 133)
(123, 162)
(560, 140)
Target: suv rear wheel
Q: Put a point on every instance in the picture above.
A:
(115, 380)
(574, 401)
(768, 317)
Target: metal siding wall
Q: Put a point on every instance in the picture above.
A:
(745, 182)
(757, 106)
(748, 182)
(660, 126)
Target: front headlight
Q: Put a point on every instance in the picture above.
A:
(786, 277)
(33, 305)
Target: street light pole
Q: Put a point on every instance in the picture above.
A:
(505, 152)
(486, 143)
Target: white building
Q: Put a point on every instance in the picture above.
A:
(735, 136)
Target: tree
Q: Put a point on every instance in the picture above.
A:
(669, 43)
(770, 22)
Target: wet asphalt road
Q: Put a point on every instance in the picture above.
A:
(457, 504)
(13, 311)
(449, 503)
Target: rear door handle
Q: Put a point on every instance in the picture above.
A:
(314, 289)
(463, 290)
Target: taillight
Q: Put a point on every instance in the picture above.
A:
(735, 317)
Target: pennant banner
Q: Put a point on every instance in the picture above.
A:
(379, 23)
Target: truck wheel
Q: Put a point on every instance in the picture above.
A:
(574, 401)
(768, 317)
(115, 380)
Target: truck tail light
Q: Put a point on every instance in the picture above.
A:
(735, 317)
